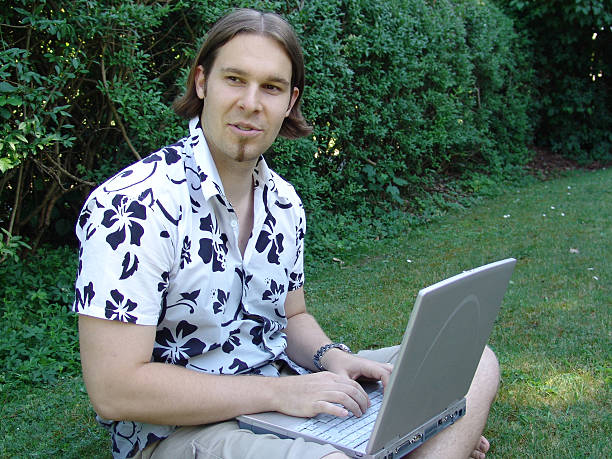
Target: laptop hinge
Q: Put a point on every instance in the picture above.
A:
(417, 437)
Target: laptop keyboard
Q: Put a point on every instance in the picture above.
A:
(351, 431)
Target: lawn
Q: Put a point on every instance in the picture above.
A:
(552, 337)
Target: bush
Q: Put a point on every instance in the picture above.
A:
(38, 334)
(571, 51)
(405, 96)
(401, 94)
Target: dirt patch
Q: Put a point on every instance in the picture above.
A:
(546, 164)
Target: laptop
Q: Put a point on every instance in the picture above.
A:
(448, 329)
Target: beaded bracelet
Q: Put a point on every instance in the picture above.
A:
(317, 357)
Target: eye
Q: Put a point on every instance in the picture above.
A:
(233, 79)
(272, 88)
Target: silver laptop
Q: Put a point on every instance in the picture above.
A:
(448, 329)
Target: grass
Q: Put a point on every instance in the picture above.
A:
(553, 336)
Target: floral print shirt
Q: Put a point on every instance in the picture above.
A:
(159, 246)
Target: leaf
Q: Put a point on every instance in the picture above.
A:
(16, 101)
(5, 165)
(400, 181)
(5, 86)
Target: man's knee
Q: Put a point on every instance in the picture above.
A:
(492, 363)
(488, 374)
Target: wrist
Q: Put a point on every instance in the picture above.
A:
(336, 360)
(321, 355)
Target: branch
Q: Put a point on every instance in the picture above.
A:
(114, 110)
(5, 178)
(52, 189)
(46, 221)
(189, 29)
(68, 174)
(49, 171)
(14, 26)
(171, 69)
(17, 196)
(160, 39)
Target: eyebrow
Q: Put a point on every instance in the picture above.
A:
(272, 78)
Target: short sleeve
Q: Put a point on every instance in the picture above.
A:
(125, 257)
(296, 275)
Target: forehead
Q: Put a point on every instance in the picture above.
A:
(254, 54)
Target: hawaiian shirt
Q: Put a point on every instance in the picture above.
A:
(159, 246)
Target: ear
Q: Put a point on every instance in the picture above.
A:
(294, 96)
(200, 82)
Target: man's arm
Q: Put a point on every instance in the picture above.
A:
(123, 384)
(305, 337)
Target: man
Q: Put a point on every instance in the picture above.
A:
(190, 281)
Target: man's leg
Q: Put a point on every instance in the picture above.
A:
(463, 439)
(226, 440)
(459, 440)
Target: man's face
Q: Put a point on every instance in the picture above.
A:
(247, 95)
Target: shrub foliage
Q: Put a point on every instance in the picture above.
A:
(400, 93)
(38, 339)
(571, 46)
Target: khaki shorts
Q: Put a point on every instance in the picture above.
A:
(225, 440)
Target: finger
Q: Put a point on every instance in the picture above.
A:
(358, 393)
(349, 403)
(351, 387)
(347, 392)
(331, 408)
(386, 374)
(377, 372)
(351, 395)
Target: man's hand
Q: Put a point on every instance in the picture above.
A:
(355, 367)
(334, 392)
(324, 392)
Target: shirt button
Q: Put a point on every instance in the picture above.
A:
(234, 223)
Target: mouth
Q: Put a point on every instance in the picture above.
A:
(246, 128)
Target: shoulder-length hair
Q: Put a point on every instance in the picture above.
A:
(240, 21)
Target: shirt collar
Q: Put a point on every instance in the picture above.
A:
(263, 176)
(207, 170)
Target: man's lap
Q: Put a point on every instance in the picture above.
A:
(226, 440)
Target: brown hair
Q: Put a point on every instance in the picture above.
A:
(239, 21)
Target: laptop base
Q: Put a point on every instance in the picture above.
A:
(396, 449)
(417, 437)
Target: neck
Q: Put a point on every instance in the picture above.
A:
(237, 181)
(238, 186)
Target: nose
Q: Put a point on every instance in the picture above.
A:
(250, 100)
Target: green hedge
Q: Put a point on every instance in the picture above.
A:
(38, 339)
(571, 56)
(403, 94)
